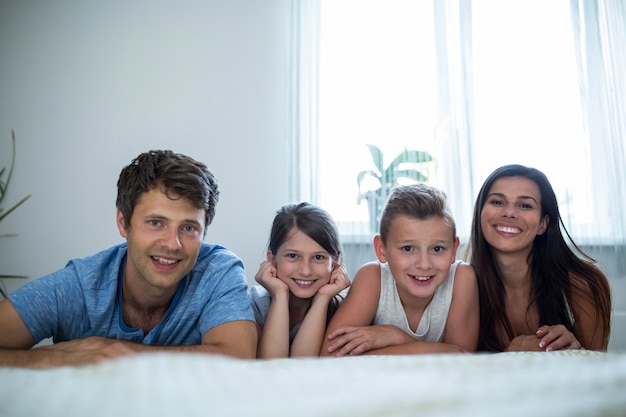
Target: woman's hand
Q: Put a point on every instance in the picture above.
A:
(557, 337)
(547, 338)
(339, 281)
(267, 277)
(524, 343)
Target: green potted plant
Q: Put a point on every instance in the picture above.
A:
(4, 185)
(405, 165)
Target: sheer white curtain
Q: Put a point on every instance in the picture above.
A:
(600, 33)
(303, 146)
(477, 84)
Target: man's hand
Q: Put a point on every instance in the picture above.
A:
(83, 351)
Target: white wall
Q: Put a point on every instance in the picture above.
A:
(87, 86)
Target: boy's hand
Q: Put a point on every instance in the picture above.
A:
(356, 340)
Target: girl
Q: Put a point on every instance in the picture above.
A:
(417, 298)
(300, 282)
(535, 292)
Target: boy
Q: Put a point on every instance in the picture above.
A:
(417, 298)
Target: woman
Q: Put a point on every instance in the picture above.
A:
(536, 293)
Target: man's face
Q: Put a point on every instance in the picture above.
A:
(164, 239)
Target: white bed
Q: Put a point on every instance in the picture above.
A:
(574, 383)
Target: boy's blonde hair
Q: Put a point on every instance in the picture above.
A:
(419, 201)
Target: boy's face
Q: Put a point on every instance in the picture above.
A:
(164, 240)
(419, 253)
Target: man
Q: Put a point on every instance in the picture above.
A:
(163, 289)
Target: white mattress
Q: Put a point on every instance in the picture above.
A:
(569, 383)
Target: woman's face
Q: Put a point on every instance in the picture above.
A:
(511, 215)
(303, 264)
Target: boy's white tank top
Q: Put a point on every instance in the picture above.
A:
(433, 322)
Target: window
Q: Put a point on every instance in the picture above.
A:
(391, 74)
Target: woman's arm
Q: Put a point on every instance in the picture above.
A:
(589, 324)
(589, 321)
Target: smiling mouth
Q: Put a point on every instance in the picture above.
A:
(303, 283)
(164, 261)
(507, 229)
(422, 279)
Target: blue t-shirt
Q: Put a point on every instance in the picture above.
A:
(83, 299)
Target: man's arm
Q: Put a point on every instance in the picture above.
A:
(16, 344)
(13, 331)
(236, 339)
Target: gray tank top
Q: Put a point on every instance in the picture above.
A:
(433, 322)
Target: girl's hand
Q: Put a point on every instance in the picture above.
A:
(266, 276)
(557, 337)
(338, 281)
(356, 340)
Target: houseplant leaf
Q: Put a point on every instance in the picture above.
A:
(377, 157)
(407, 156)
(4, 185)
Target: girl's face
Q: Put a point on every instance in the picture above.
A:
(303, 264)
(511, 216)
(419, 253)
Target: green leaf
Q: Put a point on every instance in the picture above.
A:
(360, 178)
(407, 156)
(410, 156)
(377, 157)
(19, 203)
(5, 185)
(411, 174)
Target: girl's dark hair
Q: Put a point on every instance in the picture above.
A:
(177, 175)
(314, 222)
(552, 264)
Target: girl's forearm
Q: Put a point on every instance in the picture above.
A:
(274, 337)
(308, 341)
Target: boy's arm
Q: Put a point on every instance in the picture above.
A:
(461, 334)
(464, 315)
(357, 309)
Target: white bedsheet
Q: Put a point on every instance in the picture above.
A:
(574, 383)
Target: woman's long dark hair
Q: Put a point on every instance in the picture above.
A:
(552, 264)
